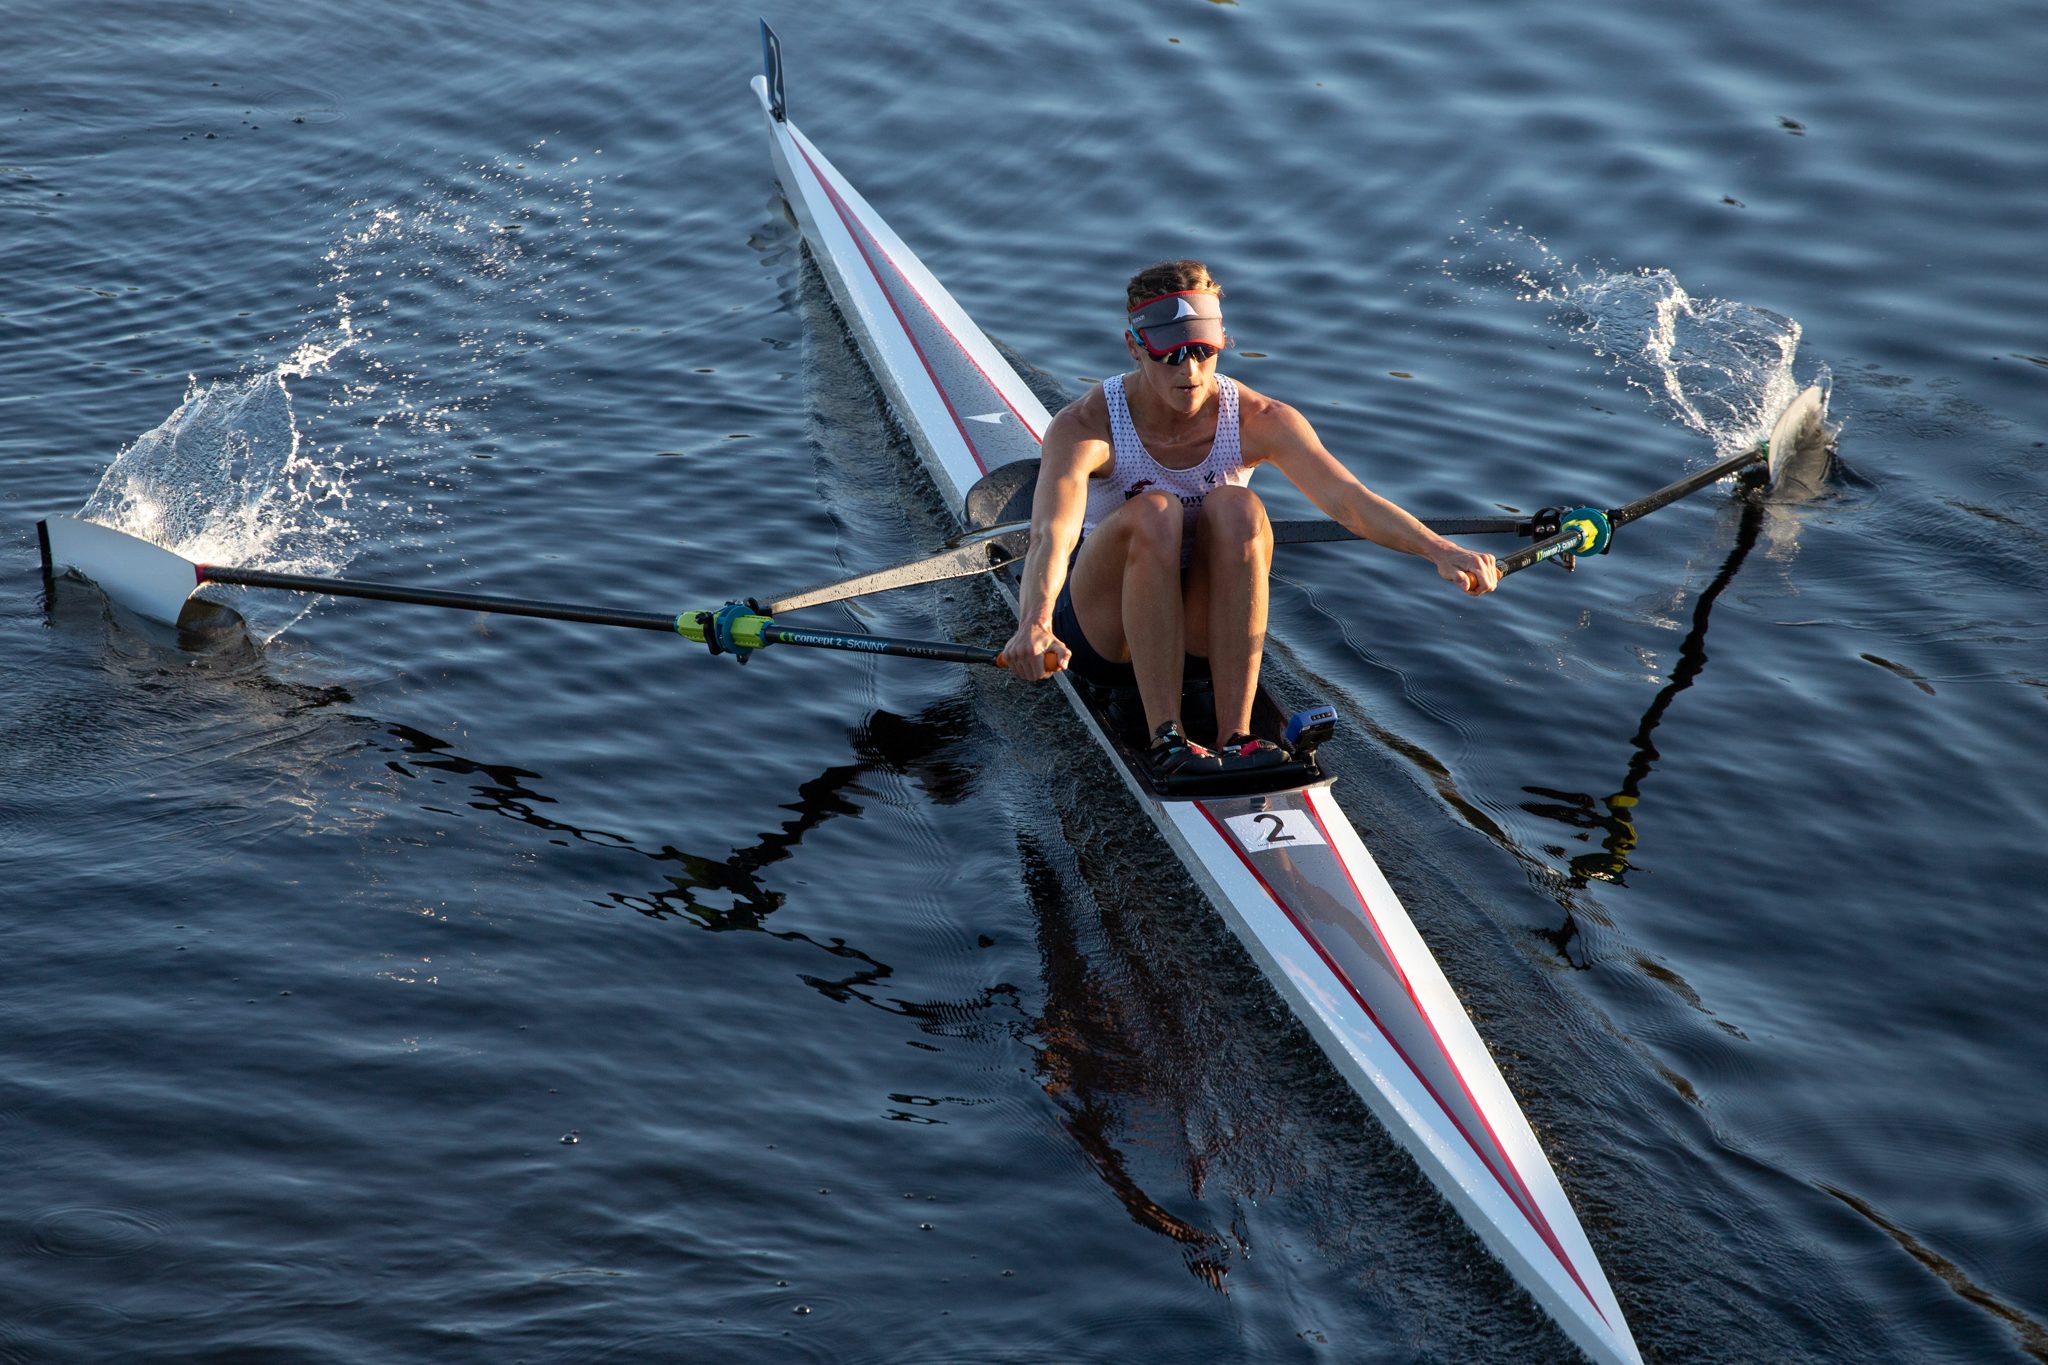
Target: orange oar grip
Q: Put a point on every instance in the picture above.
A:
(1052, 662)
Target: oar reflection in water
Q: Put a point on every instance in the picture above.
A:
(1584, 812)
(913, 746)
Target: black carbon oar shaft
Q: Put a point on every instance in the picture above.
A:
(944, 652)
(1691, 483)
(1568, 540)
(1564, 542)
(687, 624)
(1314, 530)
(435, 597)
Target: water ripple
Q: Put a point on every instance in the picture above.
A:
(94, 1234)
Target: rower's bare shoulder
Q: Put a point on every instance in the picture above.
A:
(1086, 416)
(1080, 432)
(1265, 419)
(1084, 420)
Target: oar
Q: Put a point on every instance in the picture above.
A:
(733, 629)
(1799, 430)
(156, 582)
(1797, 452)
(1588, 530)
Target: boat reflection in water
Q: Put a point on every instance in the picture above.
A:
(1130, 1045)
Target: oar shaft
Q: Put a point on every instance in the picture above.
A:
(1691, 483)
(1571, 538)
(1314, 530)
(979, 555)
(434, 597)
(753, 631)
(1564, 542)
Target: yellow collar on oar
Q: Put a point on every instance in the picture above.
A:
(731, 629)
(1596, 532)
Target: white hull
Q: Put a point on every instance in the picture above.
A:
(1286, 870)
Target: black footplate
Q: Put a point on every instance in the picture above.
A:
(1121, 712)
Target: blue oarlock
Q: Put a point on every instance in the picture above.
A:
(718, 631)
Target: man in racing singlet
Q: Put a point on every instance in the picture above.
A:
(1146, 475)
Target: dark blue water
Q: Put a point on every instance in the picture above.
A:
(883, 1030)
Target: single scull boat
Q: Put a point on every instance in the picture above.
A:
(1282, 865)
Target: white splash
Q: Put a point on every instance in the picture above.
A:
(228, 479)
(1721, 367)
(422, 305)
(225, 480)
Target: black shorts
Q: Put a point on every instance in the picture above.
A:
(1092, 667)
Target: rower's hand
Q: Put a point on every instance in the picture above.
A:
(1475, 573)
(1035, 653)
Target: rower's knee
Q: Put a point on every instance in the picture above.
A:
(1155, 523)
(1234, 519)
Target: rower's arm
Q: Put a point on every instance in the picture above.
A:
(1058, 506)
(1291, 444)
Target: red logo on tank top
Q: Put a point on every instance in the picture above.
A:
(1136, 488)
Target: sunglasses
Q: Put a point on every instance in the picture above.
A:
(1179, 355)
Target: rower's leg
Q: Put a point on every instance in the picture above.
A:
(1127, 595)
(1226, 600)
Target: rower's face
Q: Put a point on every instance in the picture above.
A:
(1183, 387)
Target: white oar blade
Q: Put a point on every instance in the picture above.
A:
(1800, 447)
(147, 579)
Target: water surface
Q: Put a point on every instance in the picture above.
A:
(882, 1031)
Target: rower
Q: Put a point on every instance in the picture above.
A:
(1147, 549)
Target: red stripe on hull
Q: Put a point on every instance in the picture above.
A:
(1516, 1191)
(861, 239)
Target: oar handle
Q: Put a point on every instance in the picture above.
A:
(1052, 662)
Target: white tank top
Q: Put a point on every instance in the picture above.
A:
(1136, 471)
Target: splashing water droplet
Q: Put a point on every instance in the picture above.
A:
(226, 479)
(232, 476)
(1721, 367)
